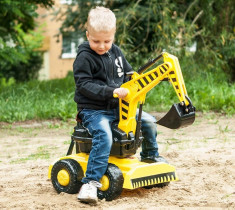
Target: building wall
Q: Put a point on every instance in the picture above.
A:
(54, 65)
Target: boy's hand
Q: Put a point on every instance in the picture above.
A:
(121, 92)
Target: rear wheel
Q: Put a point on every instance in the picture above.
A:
(66, 176)
(112, 183)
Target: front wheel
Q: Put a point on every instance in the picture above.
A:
(66, 176)
(112, 183)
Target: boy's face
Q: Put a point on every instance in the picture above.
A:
(100, 42)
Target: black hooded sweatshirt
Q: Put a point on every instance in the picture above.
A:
(96, 76)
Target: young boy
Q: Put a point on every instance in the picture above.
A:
(99, 70)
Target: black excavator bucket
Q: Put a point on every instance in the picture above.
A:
(176, 117)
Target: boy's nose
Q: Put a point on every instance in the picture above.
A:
(101, 46)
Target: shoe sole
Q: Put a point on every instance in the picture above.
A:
(87, 200)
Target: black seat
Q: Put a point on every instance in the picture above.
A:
(122, 146)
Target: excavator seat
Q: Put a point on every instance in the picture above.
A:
(122, 146)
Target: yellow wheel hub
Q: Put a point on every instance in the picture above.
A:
(63, 177)
(105, 183)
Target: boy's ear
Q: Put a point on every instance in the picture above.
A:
(87, 35)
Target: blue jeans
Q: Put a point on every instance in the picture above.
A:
(98, 123)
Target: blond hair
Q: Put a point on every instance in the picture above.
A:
(101, 19)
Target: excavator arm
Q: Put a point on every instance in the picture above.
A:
(181, 114)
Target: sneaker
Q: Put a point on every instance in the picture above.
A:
(88, 192)
(153, 159)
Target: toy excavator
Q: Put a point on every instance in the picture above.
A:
(124, 170)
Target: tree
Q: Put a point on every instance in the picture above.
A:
(17, 22)
(214, 23)
(146, 28)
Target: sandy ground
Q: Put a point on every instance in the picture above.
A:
(203, 154)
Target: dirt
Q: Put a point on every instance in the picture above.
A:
(203, 154)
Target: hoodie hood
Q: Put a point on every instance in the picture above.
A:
(85, 46)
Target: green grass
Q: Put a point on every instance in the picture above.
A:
(67, 142)
(205, 95)
(40, 100)
(41, 153)
(23, 141)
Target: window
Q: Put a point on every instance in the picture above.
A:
(70, 45)
(66, 1)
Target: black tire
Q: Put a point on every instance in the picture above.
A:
(74, 171)
(161, 185)
(116, 180)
